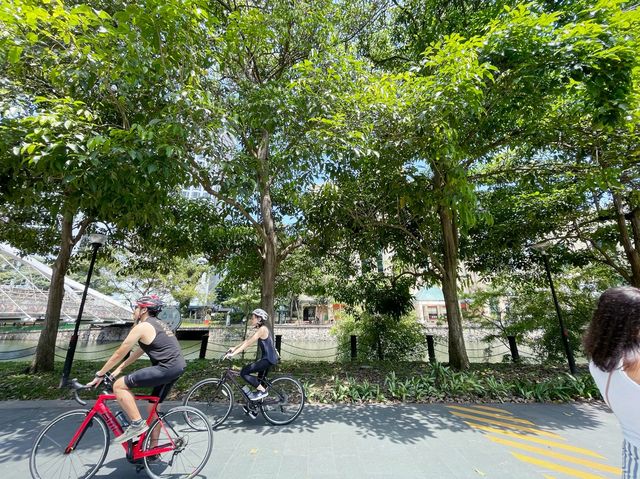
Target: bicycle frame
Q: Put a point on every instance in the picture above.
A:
(230, 375)
(133, 450)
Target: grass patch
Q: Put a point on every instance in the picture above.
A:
(375, 382)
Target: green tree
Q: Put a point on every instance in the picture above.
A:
(381, 337)
(575, 184)
(421, 135)
(517, 304)
(85, 132)
(175, 277)
(262, 156)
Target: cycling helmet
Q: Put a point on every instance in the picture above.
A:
(261, 314)
(153, 303)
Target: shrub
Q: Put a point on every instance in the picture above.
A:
(381, 337)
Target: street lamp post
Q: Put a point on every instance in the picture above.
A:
(542, 249)
(96, 241)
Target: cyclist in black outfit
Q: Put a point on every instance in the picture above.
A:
(159, 343)
(259, 318)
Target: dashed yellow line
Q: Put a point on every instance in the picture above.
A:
(493, 409)
(497, 416)
(556, 455)
(537, 440)
(508, 425)
(556, 467)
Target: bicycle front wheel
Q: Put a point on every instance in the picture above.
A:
(52, 457)
(215, 400)
(187, 446)
(285, 401)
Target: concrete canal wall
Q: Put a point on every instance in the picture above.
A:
(289, 332)
(112, 333)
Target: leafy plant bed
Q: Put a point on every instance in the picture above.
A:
(379, 382)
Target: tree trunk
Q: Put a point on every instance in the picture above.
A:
(458, 358)
(635, 266)
(633, 255)
(268, 276)
(270, 239)
(45, 352)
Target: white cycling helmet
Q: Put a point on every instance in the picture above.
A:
(262, 314)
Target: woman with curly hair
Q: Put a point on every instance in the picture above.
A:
(612, 344)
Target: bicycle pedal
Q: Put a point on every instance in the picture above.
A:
(250, 412)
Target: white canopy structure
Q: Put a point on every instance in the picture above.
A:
(24, 283)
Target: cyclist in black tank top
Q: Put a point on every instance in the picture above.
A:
(269, 357)
(160, 344)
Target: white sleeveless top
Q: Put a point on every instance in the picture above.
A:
(623, 399)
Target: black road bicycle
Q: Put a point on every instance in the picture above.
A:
(214, 397)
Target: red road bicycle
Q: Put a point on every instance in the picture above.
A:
(178, 443)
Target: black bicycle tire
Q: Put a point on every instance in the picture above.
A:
(36, 475)
(205, 382)
(273, 390)
(180, 410)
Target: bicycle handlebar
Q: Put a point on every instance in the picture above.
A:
(76, 386)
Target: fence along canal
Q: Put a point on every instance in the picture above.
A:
(212, 343)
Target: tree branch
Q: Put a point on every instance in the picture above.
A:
(418, 243)
(82, 228)
(290, 248)
(606, 259)
(204, 180)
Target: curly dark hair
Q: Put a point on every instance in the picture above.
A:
(614, 330)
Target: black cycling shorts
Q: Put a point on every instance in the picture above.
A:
(161, 378)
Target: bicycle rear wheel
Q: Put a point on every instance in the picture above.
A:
(285, 401)
(49, 458)
(190, 446)
(215, 400)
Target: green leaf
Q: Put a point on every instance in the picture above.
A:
(14, 54)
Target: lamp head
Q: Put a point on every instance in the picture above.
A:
(97, 239)
(542, 246)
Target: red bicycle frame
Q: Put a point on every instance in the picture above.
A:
(133, 450)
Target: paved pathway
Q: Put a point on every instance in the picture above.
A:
(524, 441)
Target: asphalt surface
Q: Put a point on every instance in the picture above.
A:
(466, 441)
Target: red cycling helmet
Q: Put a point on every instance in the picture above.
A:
(153, 303)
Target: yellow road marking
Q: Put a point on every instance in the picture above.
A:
(555, 467)
(494, 409)
(497, 416)
(506, 424)
(546, 476)
(537, 440)
(557, 455)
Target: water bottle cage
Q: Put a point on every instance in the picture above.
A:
(122, 419)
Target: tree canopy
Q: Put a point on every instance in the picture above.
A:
(443, 133)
